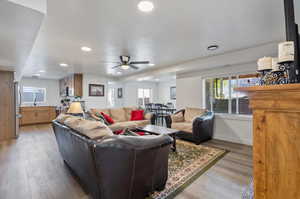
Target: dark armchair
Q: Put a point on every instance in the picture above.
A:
(193, 128)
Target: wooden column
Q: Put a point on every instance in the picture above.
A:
(276, 140)
(7, 106)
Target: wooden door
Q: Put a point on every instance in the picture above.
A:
(283, 155)
(276, 144)
(7, 106)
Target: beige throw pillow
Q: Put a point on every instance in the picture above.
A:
(62, 118)
(191, 113)
(178, 117)
(73, 122)
(91, 129)
(118, 114)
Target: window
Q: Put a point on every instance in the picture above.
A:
(111, 97)
(221, 97)
(144, 96)
(33, 95)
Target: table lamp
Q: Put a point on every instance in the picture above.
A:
(76, 109)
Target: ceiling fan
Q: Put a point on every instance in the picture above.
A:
(126, 64)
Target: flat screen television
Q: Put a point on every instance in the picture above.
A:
(292, 19)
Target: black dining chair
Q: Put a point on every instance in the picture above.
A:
(148, 107)
(161, 114)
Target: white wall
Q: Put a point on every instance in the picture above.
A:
(164, 92)
(231, 128)
(52, 89)
(130, 92)
(94, 102)
(119, 102)
(189, 92)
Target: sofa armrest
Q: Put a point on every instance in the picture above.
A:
(203, 127)
(93, 116)
(135, 142)
(169, 118)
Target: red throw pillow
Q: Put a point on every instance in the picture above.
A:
(118, 132)
(140, 133)
(137, 115)
(107, 118)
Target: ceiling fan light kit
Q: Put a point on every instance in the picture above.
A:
(125, 67)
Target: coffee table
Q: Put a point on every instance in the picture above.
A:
(160, 130)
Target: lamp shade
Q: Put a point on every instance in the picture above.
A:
(75, 108)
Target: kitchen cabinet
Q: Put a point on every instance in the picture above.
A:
(37, 115)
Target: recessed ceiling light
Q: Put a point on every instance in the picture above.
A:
(125, 67)
(146, 6)
(36, 75)
(151, 64)
(86, 49)
(42, 71)
(63, 65)
(119, 73)
(212, 47)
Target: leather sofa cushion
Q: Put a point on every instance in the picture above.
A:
(191, 113)
(128, 112)
(91, 129)
(95, 110)
(178, 117)
(118, 114)
(183, 126)
(129, 124)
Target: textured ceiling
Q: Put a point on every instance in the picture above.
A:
(176, 31)
(18, 30)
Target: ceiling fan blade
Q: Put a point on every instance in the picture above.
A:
(134, 67)
(117, 66)
(108, 62)
(140, 62)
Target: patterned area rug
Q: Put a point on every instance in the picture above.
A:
(186, 165)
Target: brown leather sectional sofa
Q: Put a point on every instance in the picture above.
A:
(115, 167)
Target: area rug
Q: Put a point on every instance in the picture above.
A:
(186, 165)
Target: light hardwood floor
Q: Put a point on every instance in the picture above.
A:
(31, 168)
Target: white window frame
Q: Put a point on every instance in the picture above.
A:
(113, 102)
(45, 95)
(237, 75)
(151, 96)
